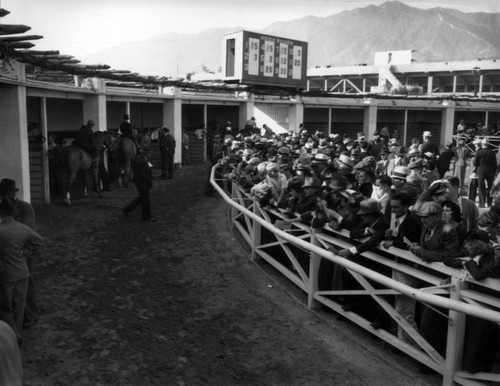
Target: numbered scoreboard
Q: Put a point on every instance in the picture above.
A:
(254, 58)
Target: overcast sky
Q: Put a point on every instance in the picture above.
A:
(81, 27)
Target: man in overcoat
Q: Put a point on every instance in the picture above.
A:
(143, 180)
(167, 150)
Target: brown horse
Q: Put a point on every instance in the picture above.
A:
(76, 159)
(123, 152)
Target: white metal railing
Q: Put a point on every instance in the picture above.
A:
(298, 252)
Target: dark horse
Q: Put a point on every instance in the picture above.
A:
(124, 151)
(76, 159)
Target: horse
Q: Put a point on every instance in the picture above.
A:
(76, 159)
(124, 151)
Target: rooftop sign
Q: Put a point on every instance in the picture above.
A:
(255, 58)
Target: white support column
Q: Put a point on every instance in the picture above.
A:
(447, 122)
(364, 84)
(172, 118)
(370, 120)
(94, 106)
(429, 85)
(296, 114)
(14, 154)
(246, 111)
(330, 111)
(454, 84)
(481, 79)
(326, 85)
(45, 149)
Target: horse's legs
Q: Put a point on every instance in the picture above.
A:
(95, 177)
(127, 173)
(71, 180)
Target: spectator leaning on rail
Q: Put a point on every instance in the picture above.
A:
(404, 230)
(438, 242)
(373, 226)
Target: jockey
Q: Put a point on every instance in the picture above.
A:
(127, 131)
(85, 139)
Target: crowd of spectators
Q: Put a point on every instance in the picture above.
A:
(386, 195)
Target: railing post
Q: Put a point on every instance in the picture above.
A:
(314, 263)
(456, 330)
(232, 211)
(256, 231)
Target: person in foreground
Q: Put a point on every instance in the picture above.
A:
(143, 180)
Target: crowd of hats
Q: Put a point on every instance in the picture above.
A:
(304, 151)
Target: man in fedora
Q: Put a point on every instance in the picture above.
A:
(14, 237)
(373, 225)
(437, 243)
(485, 165)
(25, 214)
(428, 146)
(143, 180)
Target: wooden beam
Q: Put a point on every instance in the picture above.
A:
(39, 53)
(68, 61)
(10, 29)
(20, 45)
(58, 57)
(93, 66)
(20, 38)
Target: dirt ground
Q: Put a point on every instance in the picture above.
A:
(177, 302)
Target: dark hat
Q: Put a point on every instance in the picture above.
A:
(312, 182)
(400, 172)
(478, 235)
(284, 150)
(8, 185)
(489, 217)
(416, 164)
(427, 208)
(320, 158)
(126, 117)
(369, 206)
(90, 122)
(7, 206)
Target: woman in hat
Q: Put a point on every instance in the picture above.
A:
(277, 183)
(452, 216)
(462, 155)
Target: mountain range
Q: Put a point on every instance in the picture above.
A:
(346, 38)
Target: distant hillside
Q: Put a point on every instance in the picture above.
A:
(345, 38)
